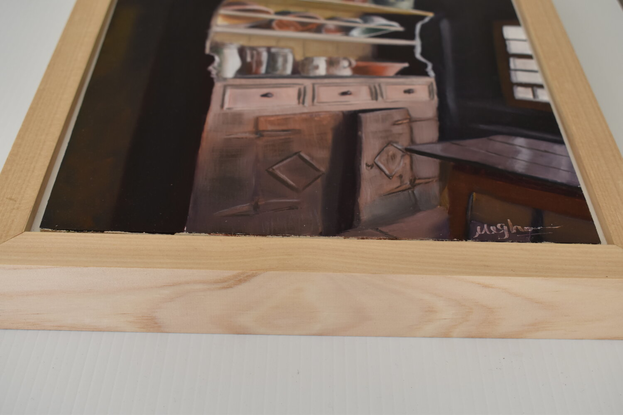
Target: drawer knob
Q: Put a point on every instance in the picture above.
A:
(267, 95)
(346, 93)
(409, 91)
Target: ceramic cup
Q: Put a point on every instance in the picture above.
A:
(313, 66)
(227, 60)
(254, 60)
(280, 61)
(340, 66)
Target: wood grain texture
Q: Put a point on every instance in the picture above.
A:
(310, 285)
(509, 154)
(236, 184)
(107, 299)
(35, 147)
(306, 254)
(597, 156)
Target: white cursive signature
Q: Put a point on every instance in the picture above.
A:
(505, 230)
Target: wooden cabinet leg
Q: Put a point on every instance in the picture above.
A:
(459, 194)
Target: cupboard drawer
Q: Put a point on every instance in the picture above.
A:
(408, 92)
(263, 96)
(339, 94)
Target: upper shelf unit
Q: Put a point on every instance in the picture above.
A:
(306, 20)
(312, 36)
(320, 10)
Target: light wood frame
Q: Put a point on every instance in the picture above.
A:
(210, 284)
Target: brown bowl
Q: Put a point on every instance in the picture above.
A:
(292, 26)
(378, 68)
(243, 6)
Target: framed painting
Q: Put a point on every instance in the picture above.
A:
(314, 167)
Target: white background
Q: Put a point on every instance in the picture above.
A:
(83, 373)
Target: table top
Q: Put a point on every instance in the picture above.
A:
(537, 159)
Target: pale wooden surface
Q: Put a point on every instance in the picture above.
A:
(26, 168)
(310, 303)
(462, 280)
(306, 254)
(588, 137)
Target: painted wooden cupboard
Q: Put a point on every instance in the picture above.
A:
(305, 156)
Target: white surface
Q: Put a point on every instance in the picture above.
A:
(84, 373)
(29, 32)
(595, 28)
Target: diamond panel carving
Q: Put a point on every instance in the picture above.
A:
(390, 159)
(297, 172)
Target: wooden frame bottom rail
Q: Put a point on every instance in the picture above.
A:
(195, 301)
(309, 286)
(333, 255)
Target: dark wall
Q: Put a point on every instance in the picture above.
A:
(130, 161)
(460, 43)
(155, 192)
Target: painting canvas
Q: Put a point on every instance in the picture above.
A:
(382, 119)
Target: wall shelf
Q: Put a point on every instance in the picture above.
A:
(366, 8)
(305, 20)
(312, 36)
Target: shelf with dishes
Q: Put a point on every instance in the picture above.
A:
(309, 38)
(363, 7)
(313, 36)
(235, 61)
(291, 19)
(335, 25)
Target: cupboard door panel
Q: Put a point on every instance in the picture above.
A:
(295, 175)
(386, 171)
(426, 131)
(224, 189)
(283, 179)
(425, 167)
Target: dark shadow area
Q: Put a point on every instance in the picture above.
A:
(130, 162)
(460, 43)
